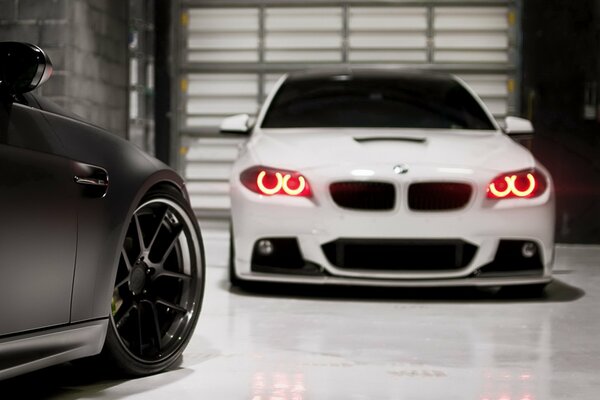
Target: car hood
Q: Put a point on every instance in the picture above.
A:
(304, 149)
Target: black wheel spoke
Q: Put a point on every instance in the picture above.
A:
(161, 223)
(171, 274)
(176, 232)
(139, 330)
(138, 229)
(121, 317)
(156, 325)
(126, 259)
(172, 306)
(122, 282)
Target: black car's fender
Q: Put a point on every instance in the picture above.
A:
(102, 222)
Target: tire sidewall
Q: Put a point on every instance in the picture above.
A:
(114, 350)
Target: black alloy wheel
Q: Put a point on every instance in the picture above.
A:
(159, 286)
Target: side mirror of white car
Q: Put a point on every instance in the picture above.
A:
(239, 124)
(517, 126)
(520, 130)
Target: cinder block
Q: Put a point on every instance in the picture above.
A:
(119, 74)
(91, 47)
(42, 10)
(20, 33)
(117, 9)
(79, 12)
(8, 10)
(55, 35)
(83, 38)
(102, 5)
(56, 86)
(58, 56)
(84, 63)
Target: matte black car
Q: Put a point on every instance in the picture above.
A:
(100, 252)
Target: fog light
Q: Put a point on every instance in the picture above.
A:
(265, 247)
(529, 249)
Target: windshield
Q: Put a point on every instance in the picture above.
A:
(375, 102)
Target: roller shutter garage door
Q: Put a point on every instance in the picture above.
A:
(231, 53)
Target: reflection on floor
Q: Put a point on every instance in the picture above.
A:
(354, 343)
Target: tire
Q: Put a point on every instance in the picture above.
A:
(159, 286)
(233, 278)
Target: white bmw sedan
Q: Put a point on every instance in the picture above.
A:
(388, 178)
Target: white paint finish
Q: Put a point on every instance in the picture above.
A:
(327, 155)
(299, 35)
(369, 345)
(517, 125)
(269, 82)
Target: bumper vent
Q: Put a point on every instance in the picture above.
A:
(371, 196)
(438, 196)
(511, 261)
(399, 255)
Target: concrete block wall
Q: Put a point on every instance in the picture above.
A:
(87, 41)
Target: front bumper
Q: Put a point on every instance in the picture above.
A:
(483, 224)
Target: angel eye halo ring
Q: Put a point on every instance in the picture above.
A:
(521, 184)
(270, 181)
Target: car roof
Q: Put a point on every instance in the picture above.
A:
(371, 73)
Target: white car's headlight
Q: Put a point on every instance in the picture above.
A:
(519, 184)
(270, 181)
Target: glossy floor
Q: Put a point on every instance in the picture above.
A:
(311, 343)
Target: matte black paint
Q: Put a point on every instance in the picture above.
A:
(59, 245)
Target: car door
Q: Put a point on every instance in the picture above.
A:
(38, 213)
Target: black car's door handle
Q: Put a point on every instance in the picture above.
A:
(93, 179)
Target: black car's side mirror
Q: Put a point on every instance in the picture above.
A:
(23, 67)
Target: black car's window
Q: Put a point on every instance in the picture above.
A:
(407, 102)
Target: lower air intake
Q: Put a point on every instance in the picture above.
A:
(399, 255)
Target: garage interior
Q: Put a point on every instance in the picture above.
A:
(163, 74)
